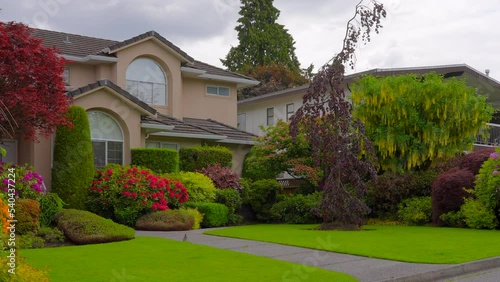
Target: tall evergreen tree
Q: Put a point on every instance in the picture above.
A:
(262, 41)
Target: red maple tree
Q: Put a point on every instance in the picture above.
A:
(32, 92)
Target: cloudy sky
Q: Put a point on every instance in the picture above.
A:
(415, 33)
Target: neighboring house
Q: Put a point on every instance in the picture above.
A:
(267, 109)
(143, 92)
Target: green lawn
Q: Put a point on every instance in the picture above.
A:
(402, 243)
(157, 259)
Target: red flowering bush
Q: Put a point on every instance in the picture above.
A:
(222, 177)
(126, 193)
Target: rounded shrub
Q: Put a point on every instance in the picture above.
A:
(50, 205)
(83, 227)
(200, 188)
(222, 177)
(156, 159)
(261, 195)
(389, 189)
(448, 192)
(487, 189)
(73, 166)
(214, 215)
(298, 209)
(199, 157)
(197, 216)
(233, 201)
(168, 220)
(477, 215)
(415, 211)
(27, 216)
(475, 159)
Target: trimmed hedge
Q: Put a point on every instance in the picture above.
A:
(168, 220)
(73, 168)
(199, 157)
(214, 215)
(158, 160)
(83, 227)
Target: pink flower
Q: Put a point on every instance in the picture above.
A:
(494, 156)
(495, 173)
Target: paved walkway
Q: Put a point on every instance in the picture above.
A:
(363, 268)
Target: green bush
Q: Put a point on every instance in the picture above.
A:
(200, 188)
(29, 241)
(199, 157)
(230, 198)
(157, 160)
(198, 217)
(168, 220)
(477, 215)
(27, 216)
(51, 235)
(487, 182)
(415, 211)
(453, 219)
(83, 227)
(50, 205)
(24, 271)
(214, 215)
(298, 209)
(261, 196)
(386, 192)
(73, 166)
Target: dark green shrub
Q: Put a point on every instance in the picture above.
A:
(232, 200)
(51, 235)
(453, 219)
(415, 211)
(83, 227)
(477, 215)
(386, 192)
(222, 177)
(157, 160)
(448, 192)
(214, 215)
(298, 209)
(29, 241)
(73, 167)
(196, 158)
(261, 196)
(168, 220)
(27, 216)
(200, 188)
(50, 205)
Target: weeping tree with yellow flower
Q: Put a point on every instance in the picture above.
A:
(416, 121)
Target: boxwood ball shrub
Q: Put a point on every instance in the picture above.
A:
(214, 215)
(196, 158)
(200, 188)
(157, 160)
(125, 193)
(83, 227)
(298, 209)
(73, 166)
(448, 192)
(168, 220)
(261, 195)
(487, 189)
(415, 211)
(222, 177)
(27, 216)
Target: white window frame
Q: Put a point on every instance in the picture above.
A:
(270, 116)
(111, 140)
(289, 113)
(218, 87)
(162, 144)
(140, 82)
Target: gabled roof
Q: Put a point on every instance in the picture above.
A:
(233, 134)
(106, 83)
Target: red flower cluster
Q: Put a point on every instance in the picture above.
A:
(134, 189)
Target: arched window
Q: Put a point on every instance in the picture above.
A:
(147, 81)
(107, 139)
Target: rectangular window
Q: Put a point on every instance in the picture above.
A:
(289, 111)
(242, 122)
(218, 90)
(107, 152)
(162, 145)
(99, 153)
(270, 116)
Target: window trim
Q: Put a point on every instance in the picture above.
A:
(270, 116)
(177, 145)
(218, 90)
(289, 114)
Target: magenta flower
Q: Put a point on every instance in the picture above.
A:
(494, 156)
(495, 173)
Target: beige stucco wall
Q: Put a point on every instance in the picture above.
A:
(81, 74)
(197, 104)
(128, 118)
(168, 62)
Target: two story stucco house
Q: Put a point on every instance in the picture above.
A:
(144, 92)
(267, 109)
